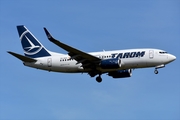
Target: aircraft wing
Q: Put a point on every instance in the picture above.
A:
(80, 56)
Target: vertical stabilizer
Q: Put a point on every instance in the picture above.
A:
(31, 46)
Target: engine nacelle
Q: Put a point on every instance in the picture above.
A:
(121, 73)
(110, 63)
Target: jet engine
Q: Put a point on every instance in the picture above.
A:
(110, 63)
(121, 73)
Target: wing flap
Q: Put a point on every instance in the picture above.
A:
(21, 57)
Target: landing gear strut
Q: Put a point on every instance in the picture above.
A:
(99, 79)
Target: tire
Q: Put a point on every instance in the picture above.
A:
(98, 79)
(156, 71)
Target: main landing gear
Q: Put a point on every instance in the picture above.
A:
(99, 79)
(94, 73)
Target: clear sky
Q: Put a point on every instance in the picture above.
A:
(31, 94)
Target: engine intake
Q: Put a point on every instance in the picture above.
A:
(110, 63)
(121, 73)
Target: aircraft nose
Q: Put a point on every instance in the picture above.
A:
(171, 57)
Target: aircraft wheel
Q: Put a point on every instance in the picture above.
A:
(99, 79)
(156, 71)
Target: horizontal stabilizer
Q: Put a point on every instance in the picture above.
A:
(22, 58)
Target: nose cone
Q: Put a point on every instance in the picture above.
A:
(171, 58)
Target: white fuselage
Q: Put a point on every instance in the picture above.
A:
(129, 60)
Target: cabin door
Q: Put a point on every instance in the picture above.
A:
(151, 54)
(49, 62)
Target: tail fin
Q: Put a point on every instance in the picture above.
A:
(32, 47)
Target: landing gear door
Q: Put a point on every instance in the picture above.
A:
(151, 54)
(49, 62)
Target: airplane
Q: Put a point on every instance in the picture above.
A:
(116, 63)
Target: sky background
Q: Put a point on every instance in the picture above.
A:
(31, 94)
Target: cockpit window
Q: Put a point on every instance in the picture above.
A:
(162, 52)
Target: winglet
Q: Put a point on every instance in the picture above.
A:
(49, 36)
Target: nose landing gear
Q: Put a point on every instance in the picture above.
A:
(157, 67)
(156, 71)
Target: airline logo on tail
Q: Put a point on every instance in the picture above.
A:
(32, 47)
